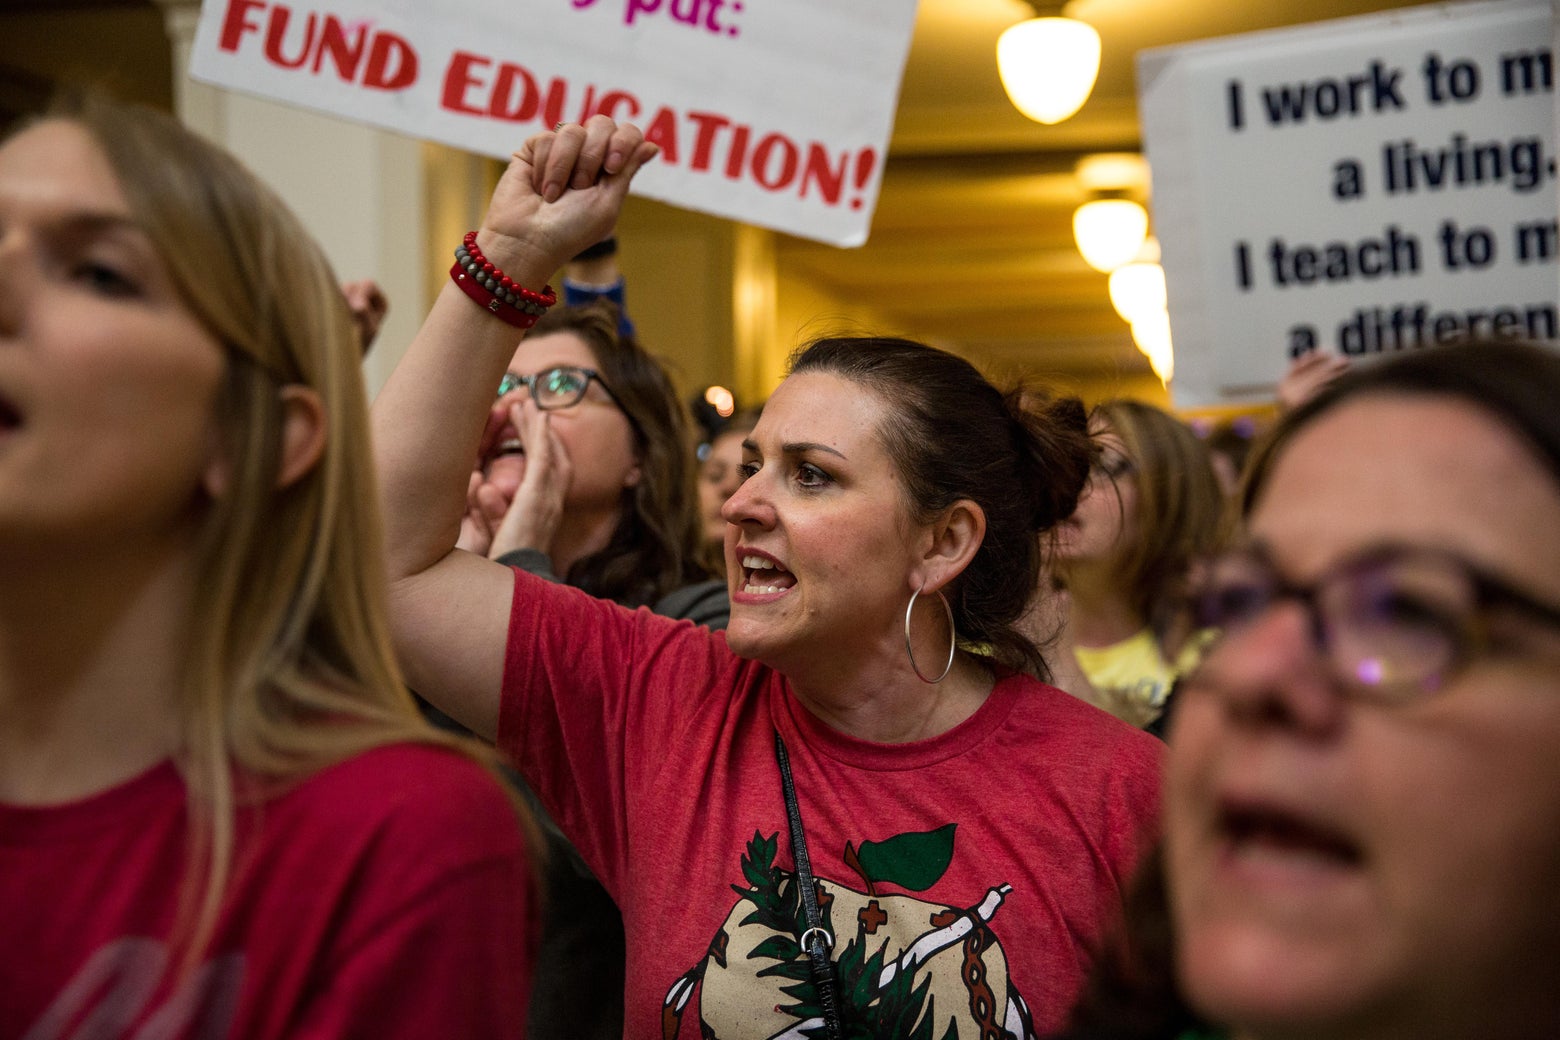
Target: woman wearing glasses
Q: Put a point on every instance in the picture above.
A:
(852, 810)
(586, 471)
(1152, 506)
(586, 476)
(1363, 795)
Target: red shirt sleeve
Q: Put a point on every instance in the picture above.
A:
(594, 695)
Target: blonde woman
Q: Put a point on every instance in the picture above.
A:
(1152, 507)
(219, 812)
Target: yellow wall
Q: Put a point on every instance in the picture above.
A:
(678, 266)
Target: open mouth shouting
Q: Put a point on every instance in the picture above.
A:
(504, 463)
(1257, 833)
(762, 575)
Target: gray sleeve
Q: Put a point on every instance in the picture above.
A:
(532, 561)
(704, 604)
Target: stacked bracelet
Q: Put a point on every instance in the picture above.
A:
(495, 290)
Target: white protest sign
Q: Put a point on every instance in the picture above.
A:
(1367, 185)
(772, 112)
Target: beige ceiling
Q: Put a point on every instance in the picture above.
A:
(972, 246)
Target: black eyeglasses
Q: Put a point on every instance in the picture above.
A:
(1395, 622)
(560, 387)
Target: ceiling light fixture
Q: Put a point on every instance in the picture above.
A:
(1109, 232)
(1111, 228)
(1048, 63)
(1151, 333)
(1137, 288)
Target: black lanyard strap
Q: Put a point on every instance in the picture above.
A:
(815, 940)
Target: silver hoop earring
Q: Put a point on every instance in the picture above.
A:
(953, 637)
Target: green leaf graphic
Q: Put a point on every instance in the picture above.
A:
(777, 948)
(915, 860)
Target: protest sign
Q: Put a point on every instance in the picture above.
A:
(1368, 185)
(772, 112)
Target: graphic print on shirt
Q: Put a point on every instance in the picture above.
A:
(908, 969)
(114, 990)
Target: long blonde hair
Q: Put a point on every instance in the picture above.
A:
(290, 627)
(1179, 507)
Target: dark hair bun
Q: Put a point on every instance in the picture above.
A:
(1054, 449)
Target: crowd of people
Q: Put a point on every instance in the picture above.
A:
(499, 712)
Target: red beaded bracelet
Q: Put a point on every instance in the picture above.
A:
(495, 290)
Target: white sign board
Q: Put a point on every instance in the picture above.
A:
(1367, 185)
(772, 112)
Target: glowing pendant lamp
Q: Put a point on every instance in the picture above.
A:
(1048, 63)
(1137, 288)
(1109, 232)
(1151, 333)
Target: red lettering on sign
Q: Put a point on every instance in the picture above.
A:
(866, 162)
(663, 131)
(557, 95)
(514, 95)
(762, 156)
(503, 104)
(458, 80)
(344, 52)
(391, 64)
(818, 171)
(709, 125)
(280, 16)
(703, 140)
(738, 154)
(390, 51)
(613, 100)
(236, 22)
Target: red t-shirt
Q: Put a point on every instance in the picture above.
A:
(965, 877)
(389, 895)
